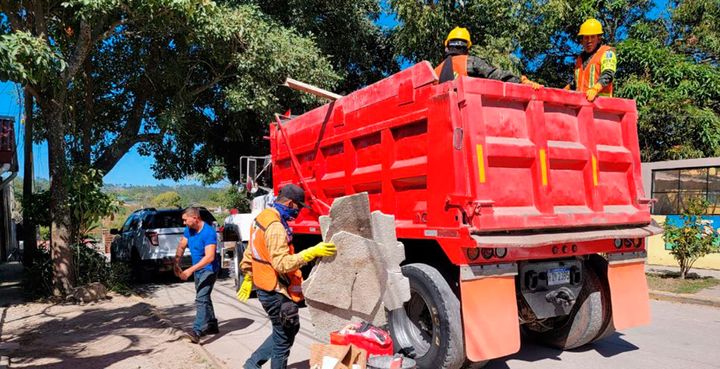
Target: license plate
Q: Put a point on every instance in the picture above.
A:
(558, 276)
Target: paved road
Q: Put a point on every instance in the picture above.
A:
(681, 336)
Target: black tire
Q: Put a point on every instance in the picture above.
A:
(585, 322)
(600, 266)
(429, 328)
(140, 272)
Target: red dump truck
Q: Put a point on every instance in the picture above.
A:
(522, 212)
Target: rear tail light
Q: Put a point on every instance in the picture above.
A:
(500, 252)
(487, 253)
(153, 238)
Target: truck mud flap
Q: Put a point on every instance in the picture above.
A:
(489, 311)
(628, 290)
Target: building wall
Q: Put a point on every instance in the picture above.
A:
(658, 255)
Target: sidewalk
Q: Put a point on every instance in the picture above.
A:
(117, 333)
(709, 296)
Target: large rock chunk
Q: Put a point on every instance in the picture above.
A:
(350, 214)
(364, 278)
(353, 279)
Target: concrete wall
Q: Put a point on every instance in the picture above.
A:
(658, 255)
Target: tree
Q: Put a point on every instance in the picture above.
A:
(232, 198)
(694, 239)
(107, 75)
(535, 37)
(677, 94)
(169, 199)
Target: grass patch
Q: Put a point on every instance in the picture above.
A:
(671, 282)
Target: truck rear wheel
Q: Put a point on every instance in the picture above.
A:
(429, 328)
(584, 324)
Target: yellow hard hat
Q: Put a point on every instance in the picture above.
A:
(591, 26)
(459, 33)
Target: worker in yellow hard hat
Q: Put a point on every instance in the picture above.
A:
(458, 63)
(595, 67)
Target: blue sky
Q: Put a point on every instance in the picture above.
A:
(133, 168)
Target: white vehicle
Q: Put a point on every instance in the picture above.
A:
(236, 230)
(149, 237)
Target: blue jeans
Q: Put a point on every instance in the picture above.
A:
(276, 348)
(205, 314)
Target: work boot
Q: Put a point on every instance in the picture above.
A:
(193, 336)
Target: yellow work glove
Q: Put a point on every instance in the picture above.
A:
(319, 250)
(592, 92)
(243, 293)
(524, 80)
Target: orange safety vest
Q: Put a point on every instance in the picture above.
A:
(265, 277)
(588, 76)
(459, 66)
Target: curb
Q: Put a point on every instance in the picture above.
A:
(179, 332)
(685, 298)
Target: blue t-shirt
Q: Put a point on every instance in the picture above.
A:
(197, 242)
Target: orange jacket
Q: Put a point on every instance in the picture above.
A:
(588, 76)
(459, 66)
(265, 277)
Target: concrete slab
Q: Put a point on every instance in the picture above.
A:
(324, 221)
(351, 214)
(383, 231)
(397, 291)
(347, 287)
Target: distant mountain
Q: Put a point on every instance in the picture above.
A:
(143, 195)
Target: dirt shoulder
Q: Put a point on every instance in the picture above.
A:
(122, 332)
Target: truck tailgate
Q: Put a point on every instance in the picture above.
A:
(549, 158)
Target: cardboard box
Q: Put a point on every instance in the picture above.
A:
(337, 357)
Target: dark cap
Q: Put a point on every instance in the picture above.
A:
(294, 193)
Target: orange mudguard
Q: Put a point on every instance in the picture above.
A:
(490, 317)
(629, 294)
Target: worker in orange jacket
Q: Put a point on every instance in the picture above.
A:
(272, 266)
(458, 63)
(595, 67)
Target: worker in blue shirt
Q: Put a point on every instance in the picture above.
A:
(202, 240)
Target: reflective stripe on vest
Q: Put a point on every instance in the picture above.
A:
(588, 76)
(459, 64)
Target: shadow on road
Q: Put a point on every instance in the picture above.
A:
(228, 326)
(301, 365)
(533, 352)
(99, 336)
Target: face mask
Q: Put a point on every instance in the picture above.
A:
(286, 212)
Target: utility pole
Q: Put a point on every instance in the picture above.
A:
(30, 233)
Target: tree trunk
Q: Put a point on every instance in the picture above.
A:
(29, 229)
(63, 270)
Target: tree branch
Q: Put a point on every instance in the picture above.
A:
(81, 51)
(40, 24)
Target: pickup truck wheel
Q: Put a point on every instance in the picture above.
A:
(139, 271)
(585, 322)
(429, 328)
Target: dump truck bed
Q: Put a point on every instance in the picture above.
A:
(468, 157)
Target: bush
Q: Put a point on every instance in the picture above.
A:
(694, 239)
(90, 266)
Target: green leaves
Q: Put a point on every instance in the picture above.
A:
(694, 239)
(27, 59)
